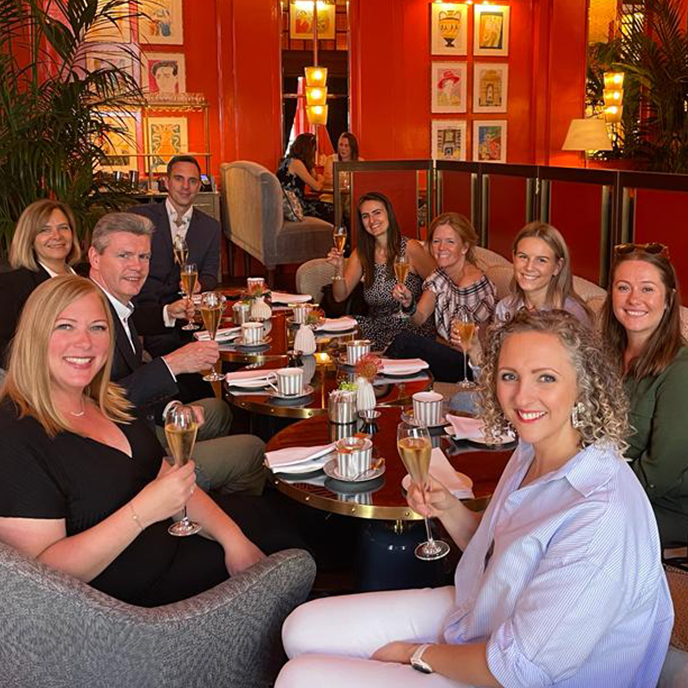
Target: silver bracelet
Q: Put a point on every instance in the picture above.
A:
(135, 516)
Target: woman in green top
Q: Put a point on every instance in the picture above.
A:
(641, 323)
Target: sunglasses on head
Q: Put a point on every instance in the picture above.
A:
(654, 248)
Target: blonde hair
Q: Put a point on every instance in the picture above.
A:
(30, 224)
(600, 389)
(28, 381)
(462, 228)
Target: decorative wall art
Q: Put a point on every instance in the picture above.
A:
(490, 87)
(164, 73)
(106, 31)
(491, 30)
(162, 22)
(109, 55)
(448, 84)
(449, 29)
(489, 140)
(448, 139)
(120, 149)
(301, 20)
(167, 136)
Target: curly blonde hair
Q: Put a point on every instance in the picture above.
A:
(600, 389)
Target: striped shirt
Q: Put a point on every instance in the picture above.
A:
(510, 305)
(478, 298)
(563, 578)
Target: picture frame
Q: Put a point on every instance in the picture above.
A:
(449, 29)
(301, 21)
(491, 30)
(107, 32)
(164, 73)
(121, 149)
(489, 140)
(165, 138)
(162, 22)
(108, 55)
(490, 87)
(448, 87)
(448, 139)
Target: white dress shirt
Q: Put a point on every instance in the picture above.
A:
(563, 578)
(55, 274)
(183, 227)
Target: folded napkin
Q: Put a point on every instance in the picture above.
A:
(224, 334)
(337, 324)
(284, 297)
(401, 366)
(458, 484)
(387, 381)
(466, 428)
(301, 458)
(250, 378)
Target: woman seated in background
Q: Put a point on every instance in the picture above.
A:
(44, 245)
(641, 323)
(379, 243)
(84, 485)
(560, 582)
(457, 284)
(297, 170)
(347, 151)
(542, 275)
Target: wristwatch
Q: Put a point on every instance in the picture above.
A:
(417, 661)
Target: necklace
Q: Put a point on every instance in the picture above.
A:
(80, 413)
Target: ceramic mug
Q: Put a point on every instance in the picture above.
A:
(354, 456)
(427, 408)
(252, 332)
(356, 349)
(289, 382)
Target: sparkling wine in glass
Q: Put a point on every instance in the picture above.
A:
(463, 327)
(189, 278)
(339, 236)
(212, 308)
(415, 447)
(181, 250)
(401, 270)
(180, 432)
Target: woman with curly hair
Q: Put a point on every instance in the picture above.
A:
(641, 323)
(560, 582)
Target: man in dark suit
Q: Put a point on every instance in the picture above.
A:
(119, 257)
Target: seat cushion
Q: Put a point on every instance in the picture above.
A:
(298, 242)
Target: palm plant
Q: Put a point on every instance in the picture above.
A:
(54, 113)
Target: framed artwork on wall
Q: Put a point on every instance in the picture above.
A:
(490, 87)
(448, 139)
(166, 137)
(491, 30)
(106, 31)
(164, 73)
(108, 55)
(120, 148)
(162, 22)
(489, 140)
(449, 29)
(448, 87)
(301, 21)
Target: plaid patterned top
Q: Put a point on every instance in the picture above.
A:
(478, 298)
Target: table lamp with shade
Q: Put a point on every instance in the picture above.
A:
(587, 135)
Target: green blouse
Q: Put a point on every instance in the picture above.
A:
(659, 447)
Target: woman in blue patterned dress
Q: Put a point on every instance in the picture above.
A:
(379, 243)
(458, 283)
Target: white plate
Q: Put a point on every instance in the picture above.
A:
(256, 345)
(331, 471)
(307, 389)
(407, 417)
(250, 384)
(504, 439)
(401, 373)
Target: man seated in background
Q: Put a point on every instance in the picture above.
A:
(119, 255)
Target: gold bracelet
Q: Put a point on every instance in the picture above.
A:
(135, 516)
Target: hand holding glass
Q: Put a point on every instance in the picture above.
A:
(413, 443)
(401, 270)
(180, 432)
(463, 329)
(212, 307)
(339, 236)
(189, 279)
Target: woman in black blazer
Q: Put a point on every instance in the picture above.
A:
(44, 245)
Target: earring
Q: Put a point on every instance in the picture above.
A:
(577, 414)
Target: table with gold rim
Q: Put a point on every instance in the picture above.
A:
(386, 500)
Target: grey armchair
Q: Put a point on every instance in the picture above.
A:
(56, 631)
(254, 220)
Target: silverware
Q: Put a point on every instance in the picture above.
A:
(378, 464)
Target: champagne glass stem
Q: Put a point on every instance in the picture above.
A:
(428, 532)
(465, 369)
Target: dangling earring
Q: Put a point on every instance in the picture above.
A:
(577, 414)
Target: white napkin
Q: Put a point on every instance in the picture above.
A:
(403, 366)
(224, 334)
(458, 484)
(284, 297)
(337, 324)
(301, 458)
(250, 378)
(385, 381)
(466, 428)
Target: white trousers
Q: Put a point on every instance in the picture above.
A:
(329, 641)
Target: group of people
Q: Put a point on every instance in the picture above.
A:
(560, 581)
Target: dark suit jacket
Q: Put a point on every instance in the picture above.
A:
(15, 288)
(203, 240)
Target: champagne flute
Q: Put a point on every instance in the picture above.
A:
(401, 270)
(181, 250)
(212, 307)
(463, 328)
(339, 236)
(180, 432)
(415, 447)
(189, 278)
